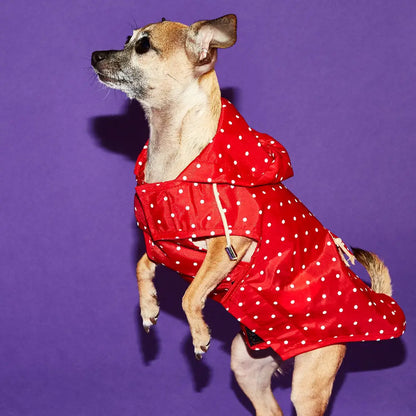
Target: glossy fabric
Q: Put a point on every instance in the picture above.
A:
(296, 293)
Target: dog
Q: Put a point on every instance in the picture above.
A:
(212, 206)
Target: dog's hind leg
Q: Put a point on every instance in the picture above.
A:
(313, 378)
(253, 371)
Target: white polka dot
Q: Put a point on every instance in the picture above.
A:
(198, 165)
(255, 317)
(240, 304)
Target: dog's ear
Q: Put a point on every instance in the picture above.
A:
(205, 36)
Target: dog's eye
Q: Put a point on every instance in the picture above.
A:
(127, 40)
(143, 45)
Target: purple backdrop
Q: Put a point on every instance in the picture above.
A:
(334, 81)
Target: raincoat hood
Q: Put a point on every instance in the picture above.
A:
(237, 155)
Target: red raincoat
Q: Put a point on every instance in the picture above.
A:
(296, 293)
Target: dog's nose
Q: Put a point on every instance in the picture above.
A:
(98, 56)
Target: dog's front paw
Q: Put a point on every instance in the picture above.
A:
(201, 340)
(149, 310)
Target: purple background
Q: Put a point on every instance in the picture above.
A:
(333, 81)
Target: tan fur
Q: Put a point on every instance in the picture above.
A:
(377, 270)
(177, 86)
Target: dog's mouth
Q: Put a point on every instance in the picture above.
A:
(107, 79)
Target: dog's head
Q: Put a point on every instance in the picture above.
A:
(161, 60)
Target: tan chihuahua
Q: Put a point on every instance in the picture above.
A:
(169, 68)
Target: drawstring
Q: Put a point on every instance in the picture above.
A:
(229, 248)
(349, 257)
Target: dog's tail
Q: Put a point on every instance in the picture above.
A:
(378, 271)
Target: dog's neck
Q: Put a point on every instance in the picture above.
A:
(180, 129)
